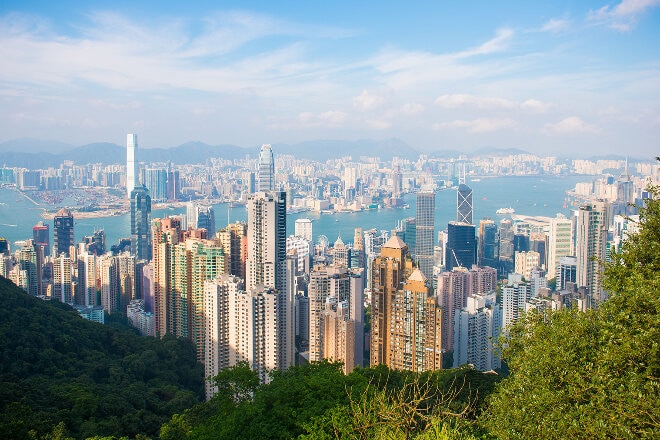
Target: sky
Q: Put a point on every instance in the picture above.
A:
(556, 77)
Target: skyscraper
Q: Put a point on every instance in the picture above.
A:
(488, 244)
(41, 237)
(475, 328)
(425, 232)
(464, 204)
(141, 223)
(267, 262)
(566, 272)
(131, 163)
(506, 247)
(155, 179)
(303, 228)
(63, 231)
(406, 321)
(461, 246)
(591, 247)
(266, 172)
(560, 242)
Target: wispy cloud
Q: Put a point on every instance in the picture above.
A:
(368, 101)
(479, 125)
(555, 25)
(624, 15)
(572, 124)
(325, 119)
(466, 101)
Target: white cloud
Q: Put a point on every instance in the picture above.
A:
(377, 124)
(412, 109)
(368, 101)
(472, 101)
(325, 119)
(479, 125)
(534, 106)
(497, 44)
(555, 25)
(623, 16)
(572, 124)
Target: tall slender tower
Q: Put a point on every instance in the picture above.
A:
(141, 223)
(131, 163)
(266, 176)
(425, 232)
(591, 247)
(464, 204)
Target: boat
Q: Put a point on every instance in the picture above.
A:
(505, 211)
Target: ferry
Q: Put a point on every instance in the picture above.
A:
(505, 211)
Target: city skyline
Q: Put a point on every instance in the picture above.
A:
(544, 78)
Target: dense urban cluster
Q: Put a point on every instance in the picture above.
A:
(254, 292)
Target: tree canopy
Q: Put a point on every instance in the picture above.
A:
(595, 374)
(94, 379)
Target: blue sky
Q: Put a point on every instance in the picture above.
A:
(551, 78)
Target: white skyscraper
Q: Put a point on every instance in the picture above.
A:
(131, 163)
(476, 327)
(514, 297)
(303, 228)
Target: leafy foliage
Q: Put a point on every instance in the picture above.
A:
(56, 368)
(596, 374)
(318, 401)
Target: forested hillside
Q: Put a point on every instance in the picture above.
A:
(99, 380)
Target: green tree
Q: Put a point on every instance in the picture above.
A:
(596, 374)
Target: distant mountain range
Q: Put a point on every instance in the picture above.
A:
(36, 154)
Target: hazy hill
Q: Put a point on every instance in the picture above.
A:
(42, 154)
(97, 379)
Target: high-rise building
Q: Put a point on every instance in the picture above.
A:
(303, 228)
(266, 172)
(506, 247)
(219, 303)
(155, 179)
(266, 259)
(425, 232)
(267, 262)
(141, 223)
(591, 247)
(476, 327)
(514, 297)
(256, 331)
(453, 290)
(461, 246)
(63, 279)
(526, 262)
(166, 233)
(464, 204)
(406, 321)
(566, 272)
(63, 231)
(131, 163)
(205, 219)
(41, 237)
(108, 271)
(94, 243)
(338, 333)
(233, 239)
(345, 286)
(488, 244)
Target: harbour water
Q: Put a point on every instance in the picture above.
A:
(526, 195)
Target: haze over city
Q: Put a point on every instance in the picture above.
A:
(558, 78)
